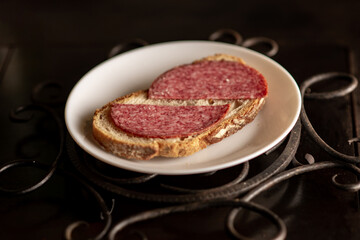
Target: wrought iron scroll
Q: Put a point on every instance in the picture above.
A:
(237, 39)
(198, 206)
(327, 95)
(17, 117)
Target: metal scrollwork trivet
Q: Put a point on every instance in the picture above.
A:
(238, 191)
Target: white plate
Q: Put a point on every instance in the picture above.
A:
(136, 69)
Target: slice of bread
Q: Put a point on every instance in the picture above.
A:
(114, 140)
(127, 146)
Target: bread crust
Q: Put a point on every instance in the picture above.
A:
(133, 147)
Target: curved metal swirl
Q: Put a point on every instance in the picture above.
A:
(240, 177)
(55, 97)
(251, 42)
(118, 180)
(226, 32)
(289, 174)
(105, 212)
(353, 83)
(15, 116)
(199, 206)
(350, 187)
(248, 43)
(327, 95)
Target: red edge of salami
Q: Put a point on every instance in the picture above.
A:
(157, 121)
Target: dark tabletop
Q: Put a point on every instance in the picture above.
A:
(51, 189)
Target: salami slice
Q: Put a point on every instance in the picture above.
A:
(210, 80)
(155, 121)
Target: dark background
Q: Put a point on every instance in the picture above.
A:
(99, 22)
(59, 41)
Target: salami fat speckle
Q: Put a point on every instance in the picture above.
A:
(155, 121)
(210, 80)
